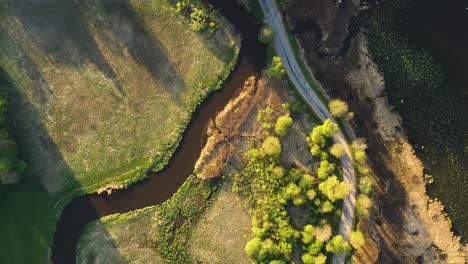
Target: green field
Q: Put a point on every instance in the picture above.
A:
(99, 93)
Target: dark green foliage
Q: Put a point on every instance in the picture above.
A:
(179, 214)
(420, 83)
(9, 161)
(266, 34)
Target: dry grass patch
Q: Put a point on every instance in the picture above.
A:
(221, 234)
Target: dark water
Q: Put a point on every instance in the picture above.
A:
(162, 185)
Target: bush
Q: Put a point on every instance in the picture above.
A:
(267, 34)
(325, 169)
(334, 189)
(338, 108)
(271, 146)
(356, 239)
(253, 246)
(337, 150)
(363, 203)
(323, 233)
(366, 183)
(282, 125)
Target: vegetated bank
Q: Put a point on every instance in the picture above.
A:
(255, 148)
(100, 93)
(405, 225)
(424, 66)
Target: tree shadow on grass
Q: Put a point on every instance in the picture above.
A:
(64, 31)
(30, 209)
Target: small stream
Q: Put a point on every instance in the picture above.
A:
(160, 186)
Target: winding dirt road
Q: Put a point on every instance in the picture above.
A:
(285, 52)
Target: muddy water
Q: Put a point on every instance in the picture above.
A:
(162, 185)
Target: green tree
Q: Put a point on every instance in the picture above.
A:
(337, 245)
(308, 258)
(308, 234)
(320, 259)
(326, 207)
(337, 150)
(325, 169)
(282, 125)
(356, 239)
(276, 68)
(253, 246)
(334, 189)
(266, 35)
(358, 148)
(271, 146)
(329, 128)
(198, 19)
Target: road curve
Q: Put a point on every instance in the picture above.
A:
(284, 50)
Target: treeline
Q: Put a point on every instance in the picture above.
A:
(11, 167)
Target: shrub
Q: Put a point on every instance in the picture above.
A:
(282, 125)
(253, 246)
(267, 34)
(363, 203)
(338, 108)
(337, 150)
(325, 169)
(271, 146)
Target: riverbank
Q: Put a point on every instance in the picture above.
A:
(405, 225)
(84, 80)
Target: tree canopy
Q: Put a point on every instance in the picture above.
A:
(266, 35)
(276, 68)
(282, 125)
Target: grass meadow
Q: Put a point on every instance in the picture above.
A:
(99, 93)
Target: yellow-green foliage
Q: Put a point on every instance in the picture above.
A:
(271, 146)
(356, 239)
(337, 150)
(276, 68)
(337, 245)
(282, 125)
(338, 108)
(363, 204)
(334, 189)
